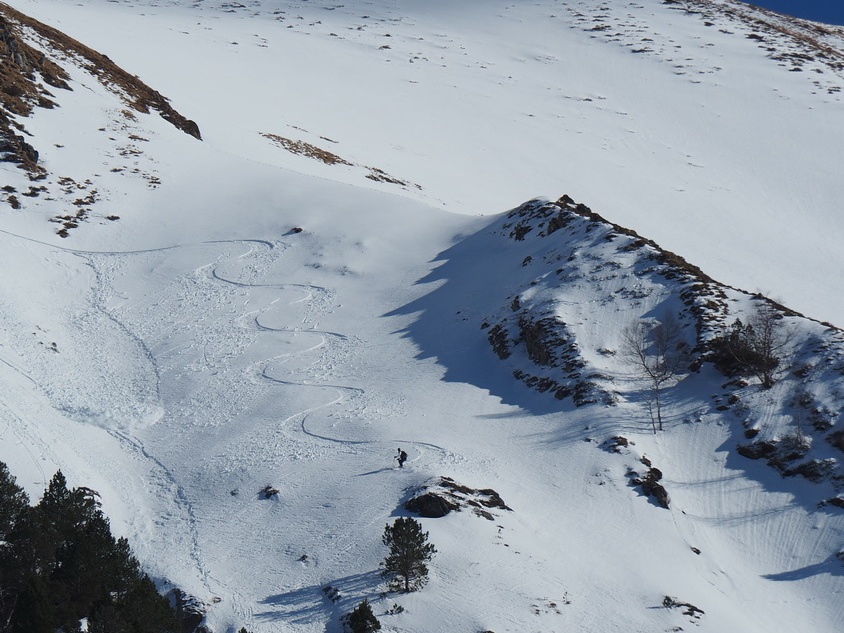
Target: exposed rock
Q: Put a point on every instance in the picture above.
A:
(836, 439)
(783, 453)
(534, 335)
(815, 470)
(332, 593)
(497, 338)
(446, 495)
(616, 444)
(24, 68)
(837, 502)
(268, 492)
(430, 505)
(757, 450)
(651, 486)
(562, 235)
(190, 611)
(690, 610)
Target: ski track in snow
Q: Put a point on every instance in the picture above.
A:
(212, 369)
(311, 366)
(243, 272)
(316, 301)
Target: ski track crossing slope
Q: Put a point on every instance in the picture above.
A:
(258, 318)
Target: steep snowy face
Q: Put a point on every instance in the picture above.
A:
(310, 287)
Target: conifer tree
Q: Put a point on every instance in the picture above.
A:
(362, 620)
(13, 502)
(34, 610)
(60, 564)
(405, 567)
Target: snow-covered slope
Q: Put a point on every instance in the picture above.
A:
(690, 128)
(310, 287)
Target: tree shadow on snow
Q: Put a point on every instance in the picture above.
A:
(802, 492)
(831, 566)
(321, 603)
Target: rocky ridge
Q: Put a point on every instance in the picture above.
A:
(38, 63)
(580, 270)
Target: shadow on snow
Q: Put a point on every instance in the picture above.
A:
(312, 604)
(467, 288)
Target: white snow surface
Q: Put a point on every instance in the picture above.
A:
(181, 358)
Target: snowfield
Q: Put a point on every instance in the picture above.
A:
(312, 285)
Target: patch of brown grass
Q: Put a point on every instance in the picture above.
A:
(303, 148)
(306, 149)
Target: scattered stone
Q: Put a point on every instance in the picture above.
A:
(757, 450)
(690, 610)
(837, 502)
(332, 593)
(617, 443)
(651, 486)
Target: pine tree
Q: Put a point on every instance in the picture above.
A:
(33, 612)
(405, 566)
(13, 502)
(61, 564)
(362, 620)
(14, 506)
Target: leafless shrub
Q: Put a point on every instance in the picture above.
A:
(659, 353)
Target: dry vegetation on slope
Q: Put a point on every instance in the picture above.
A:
(25, 67)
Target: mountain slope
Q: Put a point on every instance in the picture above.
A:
(35, 54)
(703, 130)
(263, 314)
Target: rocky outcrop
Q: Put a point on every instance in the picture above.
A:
(446, 495)
(430, 505)
(26, 73)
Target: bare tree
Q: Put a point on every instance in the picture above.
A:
(659, 353)
(770, 338)
(755, 348)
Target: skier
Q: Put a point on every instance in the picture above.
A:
(401, 458)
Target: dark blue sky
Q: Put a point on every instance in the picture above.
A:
(829, 11)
